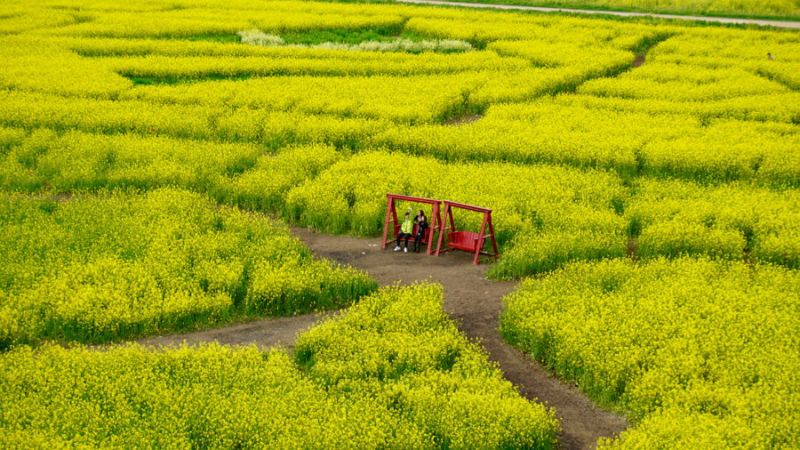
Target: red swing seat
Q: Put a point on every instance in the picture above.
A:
(468, 241)
(463, 240)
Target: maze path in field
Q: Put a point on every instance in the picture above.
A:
(265, 333)
(472, 300)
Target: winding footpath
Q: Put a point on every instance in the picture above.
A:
(598, 12)
(472, 300)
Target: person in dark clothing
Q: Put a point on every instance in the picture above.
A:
(422, 227)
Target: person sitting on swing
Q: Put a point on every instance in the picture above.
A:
(422, 227)
(406, 229)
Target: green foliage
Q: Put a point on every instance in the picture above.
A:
(340, 36)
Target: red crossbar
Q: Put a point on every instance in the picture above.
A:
(478, 209)
(407, 198)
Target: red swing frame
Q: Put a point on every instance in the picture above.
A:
(391, 218)
(468, 241)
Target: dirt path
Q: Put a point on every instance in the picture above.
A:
(264, 333)
(723, 20)
(475, 303)
(472, 300)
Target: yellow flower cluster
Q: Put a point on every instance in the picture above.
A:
(19, 18)
(574, 215)
(34, 110)
(699, 354)
(76, 160)
(181, 67)
(538, 232)
(391, 372)
(34, 64)
(623, 117)
(625, 136)
(543, 131)
(118, 47)
(264, 186)
(98, 268)
(399, 345)
(680, 114)
(402, 99)
(733, 221)
(214, 18)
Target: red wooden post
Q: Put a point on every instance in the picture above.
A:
(494, 241)
(447, 213)
(435, 219)
(395, 225)
(389, 208)
(479, 246)
(438, 226)
(451, 219)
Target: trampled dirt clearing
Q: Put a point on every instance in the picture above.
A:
(472, 300)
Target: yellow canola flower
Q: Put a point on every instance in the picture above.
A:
(120, 264)
(407, 99)
(695, 352)
(432, 386)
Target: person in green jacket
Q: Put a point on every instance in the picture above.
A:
(406, 228)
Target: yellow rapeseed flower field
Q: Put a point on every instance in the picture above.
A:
(121, 264)
(698, 353)
(646, 174)
(392, 371)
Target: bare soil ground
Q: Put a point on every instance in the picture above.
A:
(472, 300)
(463, 120)
(266, 333)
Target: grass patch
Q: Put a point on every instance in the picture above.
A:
(223, 38)
(314, 37)
(463, 111)
(146, 81)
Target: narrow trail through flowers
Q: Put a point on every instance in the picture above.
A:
(472, 300)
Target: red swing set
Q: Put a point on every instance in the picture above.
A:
(391, 218)
(464, 240)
